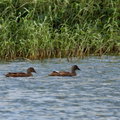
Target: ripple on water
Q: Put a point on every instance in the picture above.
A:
(93, 94)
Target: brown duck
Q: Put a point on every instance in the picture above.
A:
(21, 74)
(64, 73)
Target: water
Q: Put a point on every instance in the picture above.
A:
(94, 94)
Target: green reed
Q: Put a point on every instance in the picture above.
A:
(39, 29)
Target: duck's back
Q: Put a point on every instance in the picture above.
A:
(54, 73)
(61, 73)
(19, 74)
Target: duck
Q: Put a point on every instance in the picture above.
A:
(64, 73)
(22, 74)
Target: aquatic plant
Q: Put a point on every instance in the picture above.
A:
(39, 29)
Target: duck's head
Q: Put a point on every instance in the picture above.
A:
(75, 67)
(31, 69)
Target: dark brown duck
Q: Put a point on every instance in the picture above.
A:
(64, 73)
(21, 74)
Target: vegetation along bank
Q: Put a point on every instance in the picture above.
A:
(37, 29)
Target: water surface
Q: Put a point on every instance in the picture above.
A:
(94, 94)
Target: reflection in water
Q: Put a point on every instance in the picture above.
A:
(93, 94)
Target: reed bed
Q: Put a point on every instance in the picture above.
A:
(38, 29)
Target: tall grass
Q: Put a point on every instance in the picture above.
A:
(39, 29)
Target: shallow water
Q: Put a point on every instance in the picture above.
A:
(94, 94)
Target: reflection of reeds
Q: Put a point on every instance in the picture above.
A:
(52, 28)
